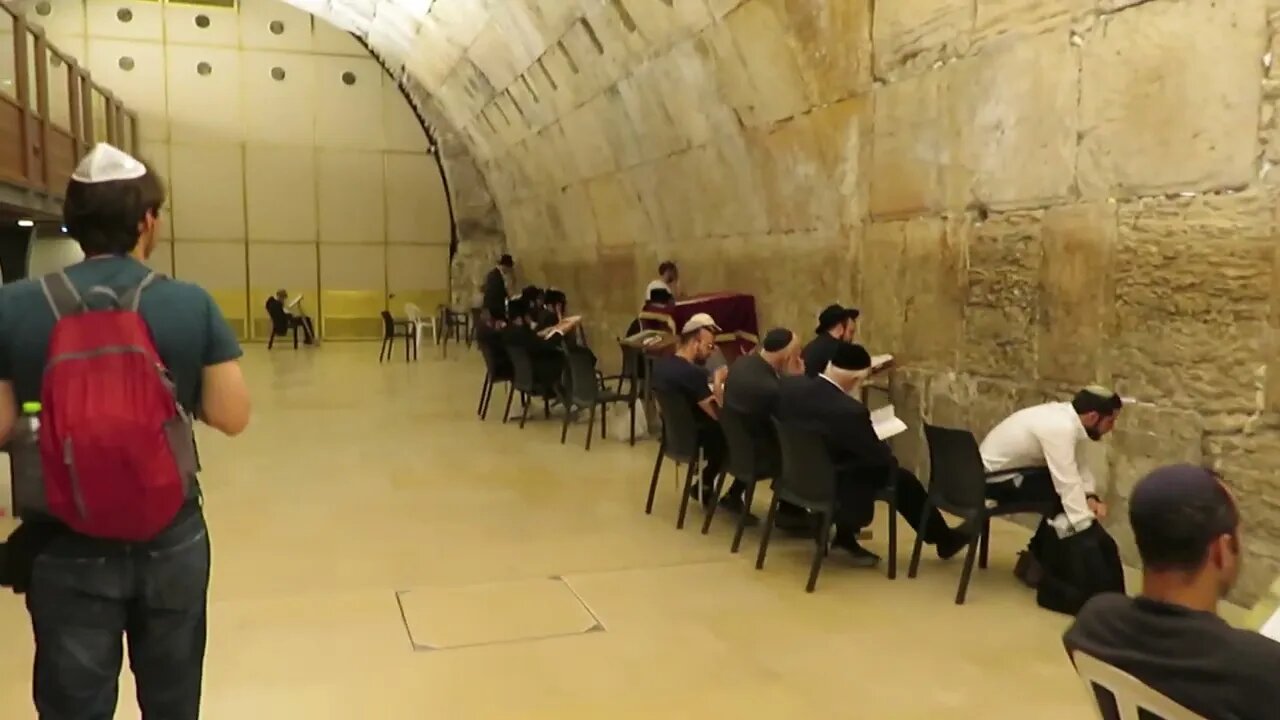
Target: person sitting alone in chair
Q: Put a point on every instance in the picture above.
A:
(284, 320)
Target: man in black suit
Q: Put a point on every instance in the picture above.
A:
(836, 327)
(495, 289)
(751, 388)
(544, 353)
(276, 309)
(826, 405)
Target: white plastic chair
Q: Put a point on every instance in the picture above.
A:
(414, 313)
(1130, 694)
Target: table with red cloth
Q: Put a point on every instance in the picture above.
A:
(735, 313)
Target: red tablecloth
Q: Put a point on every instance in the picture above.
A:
(735, 313)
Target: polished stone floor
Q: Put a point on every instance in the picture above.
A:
(380, 553)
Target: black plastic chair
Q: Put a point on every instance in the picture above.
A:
(741, 465)
(392, 329)
(809, 480)
(958, 485)
(495, 372)
(525, 382)
(281, 324)
(679, 444)
(587, 392)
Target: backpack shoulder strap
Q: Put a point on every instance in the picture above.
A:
(132, 298)
(63, 297)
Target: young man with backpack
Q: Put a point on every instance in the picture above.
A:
(109, 363)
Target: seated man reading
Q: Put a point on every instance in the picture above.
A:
(826, 405)
(544, 353)
(751, 388)
(287, 318)
(1187, 528)
(836, 327)
(683, 374)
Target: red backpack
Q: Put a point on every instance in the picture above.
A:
(117, 451)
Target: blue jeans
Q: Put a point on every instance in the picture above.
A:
(86, 595)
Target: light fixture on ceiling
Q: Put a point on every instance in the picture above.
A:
(64, 229)
(26, 223)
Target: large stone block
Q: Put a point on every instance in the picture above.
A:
(1014, 118)
(1076, 290)
(818, 26)
(578, 217)
(797, 193)
(731, 194)
(677, 182)
(661, 23)
(1005, 255)
(1247, 462)
(881, 300)
(1185, 363)
(1147, 437)
(999, 19)
(1208, 259)
(842, 131)
(620, 219)
(759, 30)
(908, 147)
(1170, 98)
(688, 87)
(914, 34)
(934, 287)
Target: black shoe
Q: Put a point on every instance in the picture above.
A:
(734, 504)
(1028, 570)
(860, 556)
(952, 544)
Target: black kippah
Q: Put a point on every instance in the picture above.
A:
(777, 340)
(851, 357)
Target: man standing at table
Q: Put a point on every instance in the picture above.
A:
(836, 326)
(668, 279)
(495, 289)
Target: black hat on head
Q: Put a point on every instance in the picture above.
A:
(777, 340)
(834, 315)
(853, 358)
(517, 307)
(506, 261)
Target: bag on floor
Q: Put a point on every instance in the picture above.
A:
(117, 454)
(620, 422)
(1076, 568)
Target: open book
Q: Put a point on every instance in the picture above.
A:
(562, 327)
(886, 423)
(294, 302)
(880, 362)
(647, 338)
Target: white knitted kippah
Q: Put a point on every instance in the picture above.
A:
(105, 163)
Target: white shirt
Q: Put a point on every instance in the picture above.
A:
(658, 284)
(1051, 436)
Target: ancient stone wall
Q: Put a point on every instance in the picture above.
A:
(1023, 196)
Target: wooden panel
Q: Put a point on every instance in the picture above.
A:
(11, 147)
(62, 160)
(351, 314)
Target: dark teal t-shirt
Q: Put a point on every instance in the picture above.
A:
(189, 330)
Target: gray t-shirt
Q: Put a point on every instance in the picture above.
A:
(187, 327)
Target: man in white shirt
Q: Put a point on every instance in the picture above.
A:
(1045, 443)
(668, 279)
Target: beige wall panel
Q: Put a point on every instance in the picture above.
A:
(142, 88)
(348, 115)
(403, 131)
(417, 211)
(332, 41)
(102, 19)
(157, 154)
(207, 191)
(52, 254)
(66, 17)
(281, 185)
(353, 267)
(255, 26)
(279, 111)
(417, 267)
(161, 259)
(351, 197)
(204, 108)
(273, 266)
(223, 29)
(215, 266)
